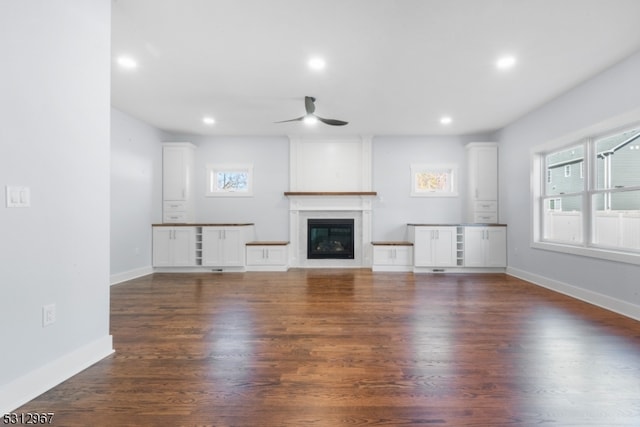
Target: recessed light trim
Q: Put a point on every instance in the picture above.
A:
(446, 120)
(127, 62)
(208, 120)
(506, 62)
(317, 63)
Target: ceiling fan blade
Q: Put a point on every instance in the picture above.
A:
(332, 122)
(309, 104)
(299, 119)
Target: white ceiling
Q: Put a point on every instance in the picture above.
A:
(394, 67)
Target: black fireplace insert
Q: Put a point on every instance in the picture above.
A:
(330, 238)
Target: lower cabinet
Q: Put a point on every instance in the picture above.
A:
(201, 245)
(434, 246)
(174, 246)
(485, 246)
(224, 246)
(392, 256)
(267, 256)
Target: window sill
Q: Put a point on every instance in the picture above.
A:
(605, 254)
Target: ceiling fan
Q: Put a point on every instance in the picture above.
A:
(310, 117)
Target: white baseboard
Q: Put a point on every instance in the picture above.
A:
(392, 268)
(267, 268)
(29, 386)
(441, 270)
(131, 274)
(604, 301)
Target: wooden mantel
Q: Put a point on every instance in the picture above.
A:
(330, 193)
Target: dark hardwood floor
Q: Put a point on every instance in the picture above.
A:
(350, 348)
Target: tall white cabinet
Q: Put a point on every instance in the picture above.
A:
(482, 169)
(178, 204)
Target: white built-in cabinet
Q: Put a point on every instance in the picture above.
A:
(224, 246)
(174, 246)
(485, 246)
(434, 246)
(461, 247)
(201, 245)
(482, 172)
(392, 256)
(178, 204)
(267, 256)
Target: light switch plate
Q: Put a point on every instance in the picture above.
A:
(18, 196)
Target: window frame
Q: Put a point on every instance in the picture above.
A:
(539, 180)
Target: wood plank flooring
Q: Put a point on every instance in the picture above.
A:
(354, 348)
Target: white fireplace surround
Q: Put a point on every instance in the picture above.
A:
(330, 178)
(358, 207)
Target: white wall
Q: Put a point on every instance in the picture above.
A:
(54, 138)
(268, 208)
(612, 93)
(392, 159)
(136, 192)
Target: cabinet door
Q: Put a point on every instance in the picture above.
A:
(383, 255)
(256, 255)
(474, 246)
(486, 167)
(184, 246)
(496, 247)
(444, 247)
(162, 246)
(212, 251)
(233, 249)
(277, 255)
(174, 173)
(423, 254)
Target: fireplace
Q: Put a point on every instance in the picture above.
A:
(330, 238)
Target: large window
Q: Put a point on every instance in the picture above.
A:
(587, 199)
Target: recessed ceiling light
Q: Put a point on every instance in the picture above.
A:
(127, 62)
(506, 62)
(446, 120)
(317, 63)
(208, 120)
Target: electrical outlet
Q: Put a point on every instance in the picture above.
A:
(48, 314)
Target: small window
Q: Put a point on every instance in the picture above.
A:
(229, 181)
(567, 171)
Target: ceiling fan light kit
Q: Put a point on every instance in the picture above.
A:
(310, 117)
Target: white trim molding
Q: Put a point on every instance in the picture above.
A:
(129, 275)
(612, 304)
(29, 386)
(357, 207)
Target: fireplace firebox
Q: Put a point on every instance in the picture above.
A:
(330, 238)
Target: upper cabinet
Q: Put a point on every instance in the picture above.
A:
(482, 169)
(178, 160)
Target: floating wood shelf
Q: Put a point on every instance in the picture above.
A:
(330, 193)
